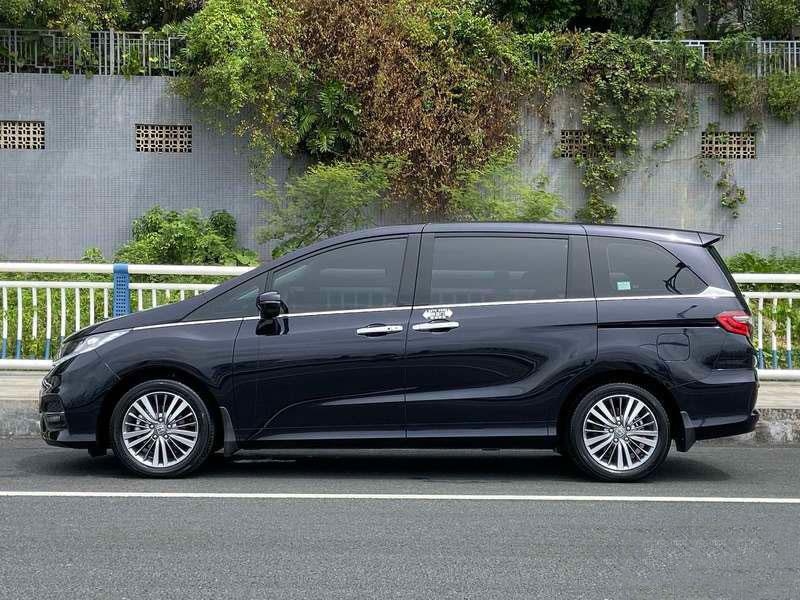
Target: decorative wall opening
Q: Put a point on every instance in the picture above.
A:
(578, 142)
(21, 135)
(728, 144)
(163, 138)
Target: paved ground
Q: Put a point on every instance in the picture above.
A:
(376, 547)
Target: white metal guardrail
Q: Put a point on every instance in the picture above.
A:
(100, 52)
(155, 53)
(38, 313)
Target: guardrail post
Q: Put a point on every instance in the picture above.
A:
(122, 291)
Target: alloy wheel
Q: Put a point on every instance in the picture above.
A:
(160, 429)
(620, 432)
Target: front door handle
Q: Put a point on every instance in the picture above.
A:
(435, 326)
(379, 329)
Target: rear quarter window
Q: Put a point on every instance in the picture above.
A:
(624, 267)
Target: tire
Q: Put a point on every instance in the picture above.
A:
(147, 443)
(629, 451)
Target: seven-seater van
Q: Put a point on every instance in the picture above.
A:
(604, 342)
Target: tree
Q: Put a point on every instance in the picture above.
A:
(497, 192)
(533, 16)
(630, 17)
(774, 19)
(325, 201)
(89, 15)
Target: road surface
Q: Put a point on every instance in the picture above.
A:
(400, 524)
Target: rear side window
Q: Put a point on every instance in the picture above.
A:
(623, 267)
(359, 276)
(495, 269)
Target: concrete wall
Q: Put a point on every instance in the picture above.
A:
(669, 189)
(88, 184)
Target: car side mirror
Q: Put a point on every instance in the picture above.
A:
(269, 305)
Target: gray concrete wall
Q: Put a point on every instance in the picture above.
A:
(668, 188)
(88, 184)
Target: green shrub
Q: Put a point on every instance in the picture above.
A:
(497, 192)
(325, 201)
(783, 95)
(169, 237)
(754, 262)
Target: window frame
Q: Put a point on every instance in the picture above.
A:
(600, 268)
(422, 293)
(407, 271)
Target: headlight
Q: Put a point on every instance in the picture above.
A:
(90, 342)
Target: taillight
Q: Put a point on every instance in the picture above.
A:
(735, 321)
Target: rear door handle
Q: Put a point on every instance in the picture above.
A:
(435, 326)
(379, 329)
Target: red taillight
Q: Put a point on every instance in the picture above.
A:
(735, 321)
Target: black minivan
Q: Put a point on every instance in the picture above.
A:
(604, 342)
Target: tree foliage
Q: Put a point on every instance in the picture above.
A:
(497, 192)
(241, 63)
(328, 199)
(429, 81)
(87, 15)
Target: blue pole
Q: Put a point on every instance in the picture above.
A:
(3, 352)
(775, 359)
(122, 291)
(760, 359)
(47, 348)
(18, 350)
(789, 359)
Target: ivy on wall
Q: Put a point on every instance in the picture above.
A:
(437, 85)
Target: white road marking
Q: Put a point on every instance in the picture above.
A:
(443, 497)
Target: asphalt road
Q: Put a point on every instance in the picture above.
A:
(376, 546)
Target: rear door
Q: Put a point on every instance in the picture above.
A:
(501, 323)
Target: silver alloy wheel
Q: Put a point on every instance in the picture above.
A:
(620, 432)
(160, 429)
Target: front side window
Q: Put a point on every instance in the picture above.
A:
(625, 267)
(358, 276)
(496, 269)
(239, 301)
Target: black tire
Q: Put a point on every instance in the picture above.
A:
(578, 450)
(204, 430)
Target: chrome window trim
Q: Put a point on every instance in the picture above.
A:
(336, 312)
(206, 322)
(503, 303)
(709, 292)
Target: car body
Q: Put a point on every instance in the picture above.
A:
(448, 335)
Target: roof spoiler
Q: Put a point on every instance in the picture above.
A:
(709, 239)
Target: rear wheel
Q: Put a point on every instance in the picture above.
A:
(161, 428)
(619, 432)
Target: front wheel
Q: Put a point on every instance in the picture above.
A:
(619, 432)
(161, 428)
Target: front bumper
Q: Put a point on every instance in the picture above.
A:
(71, 399)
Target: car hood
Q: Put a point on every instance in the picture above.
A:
(169, 313)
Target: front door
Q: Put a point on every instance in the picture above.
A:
(496, 333)
(331, 366)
